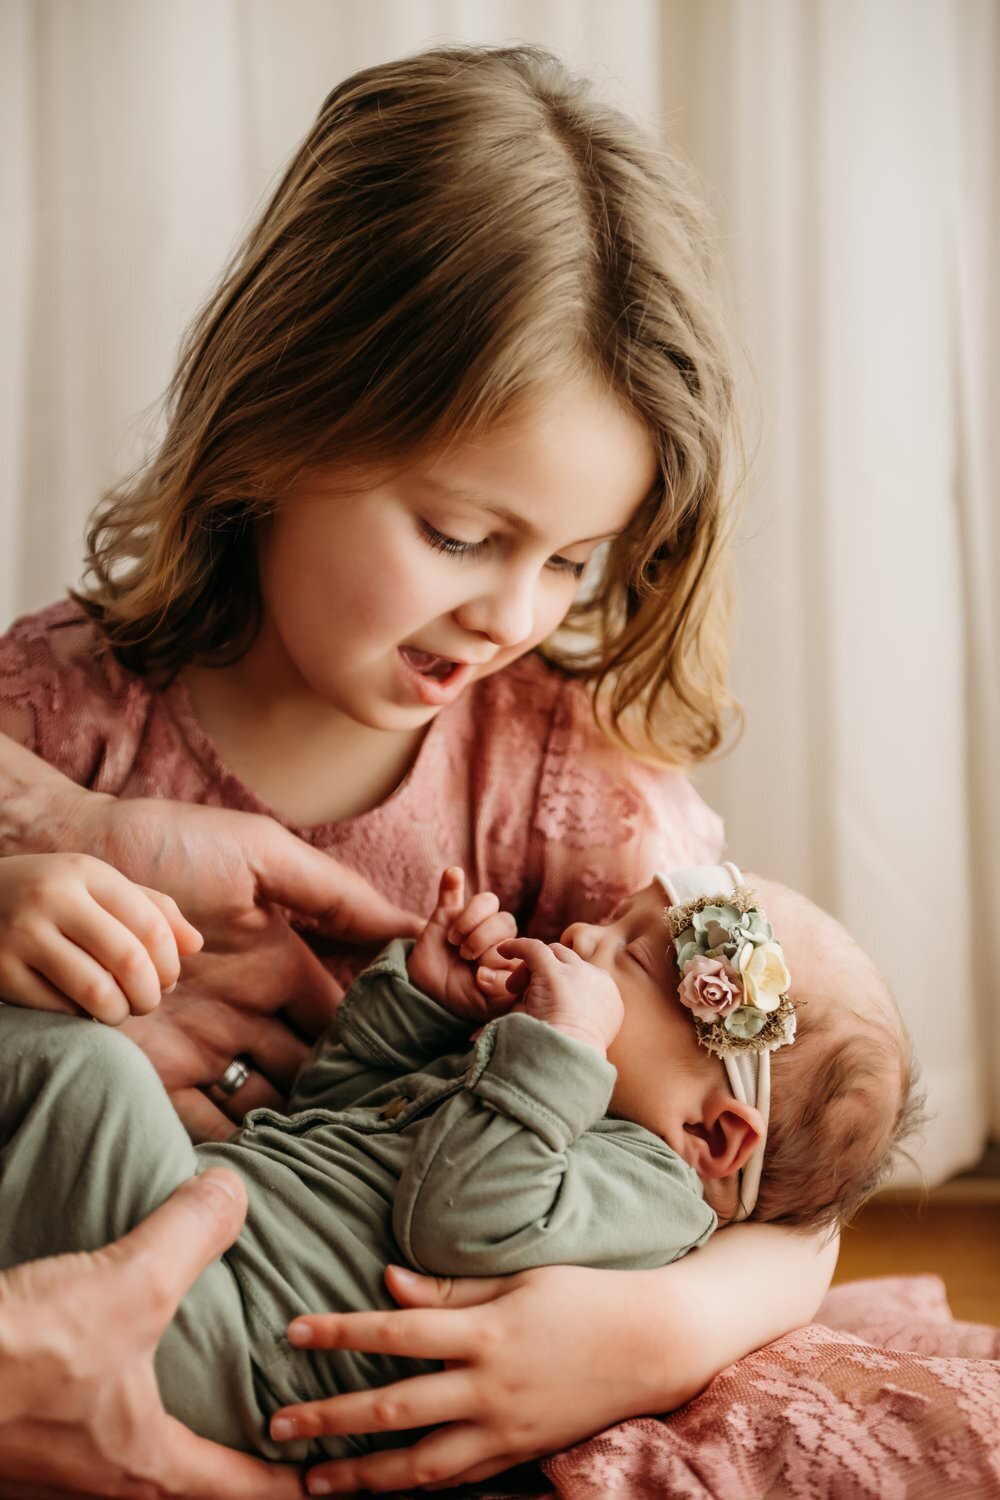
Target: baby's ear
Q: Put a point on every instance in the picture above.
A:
(722, 1141)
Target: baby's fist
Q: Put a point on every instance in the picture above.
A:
(459, 943)
(564, 990)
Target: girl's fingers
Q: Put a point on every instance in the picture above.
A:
(486, 904)
(438, 1333)
(430, 1464)
(66, 966)
(414, 1290)
(417, 1402)
(23, 986)
(494, 930)
(113, 946)
(188, 939)
(145, 921)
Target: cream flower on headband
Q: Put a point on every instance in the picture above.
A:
(765, 975)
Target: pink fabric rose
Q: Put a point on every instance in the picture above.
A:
(710, 988)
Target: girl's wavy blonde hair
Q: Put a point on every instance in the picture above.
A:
(461, 231)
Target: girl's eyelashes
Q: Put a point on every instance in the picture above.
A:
(456, 548)
(450, 544)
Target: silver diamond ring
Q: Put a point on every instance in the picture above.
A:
(235, 1076)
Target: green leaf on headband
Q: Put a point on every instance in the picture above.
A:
(714, 927)
(745, 1022)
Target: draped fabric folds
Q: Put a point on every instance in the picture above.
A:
(851, 152)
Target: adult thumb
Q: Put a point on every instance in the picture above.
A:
(340, 902)
(162, 1257)
(410, 1289)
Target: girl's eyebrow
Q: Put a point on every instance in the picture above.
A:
(487, 503)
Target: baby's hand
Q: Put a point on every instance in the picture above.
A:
(457, 950)
(559, 987)
(75, 934)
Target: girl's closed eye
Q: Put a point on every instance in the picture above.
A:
(454, 547)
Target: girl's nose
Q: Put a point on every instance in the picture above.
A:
(505, 615)
(582, 938)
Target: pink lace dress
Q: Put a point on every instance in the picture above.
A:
(514, 782)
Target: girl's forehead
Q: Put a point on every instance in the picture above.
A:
(577, 451)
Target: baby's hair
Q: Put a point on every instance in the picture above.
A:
(461, 231)
(845, 1097)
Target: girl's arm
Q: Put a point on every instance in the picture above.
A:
(547, 1358)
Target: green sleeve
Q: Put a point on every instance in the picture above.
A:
(520, 1168)
(384, 1029)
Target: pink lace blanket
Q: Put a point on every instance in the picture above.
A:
(885, 1397)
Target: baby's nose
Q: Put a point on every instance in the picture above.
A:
(582, 938)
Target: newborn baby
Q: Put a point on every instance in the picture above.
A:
(483, 1104)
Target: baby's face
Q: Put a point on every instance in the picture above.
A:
(657, 1047)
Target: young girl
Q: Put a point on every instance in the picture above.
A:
(469, 349)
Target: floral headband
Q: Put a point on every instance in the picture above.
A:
(734, 981)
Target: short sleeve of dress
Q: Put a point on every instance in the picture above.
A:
(64, 697)
(603, 822)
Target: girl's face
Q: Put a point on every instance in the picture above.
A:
(386, 604)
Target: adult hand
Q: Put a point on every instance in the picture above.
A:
(229, 871)
(80, 1413)
(526, 1373)
(224, 1007)
(223, 867)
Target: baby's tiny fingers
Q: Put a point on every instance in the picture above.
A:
(496, 929)
(500, 984)
(486, 904)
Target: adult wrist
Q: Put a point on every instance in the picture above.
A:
(39, 807)
(14, 1399)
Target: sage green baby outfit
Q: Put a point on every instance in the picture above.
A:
(401, 1143)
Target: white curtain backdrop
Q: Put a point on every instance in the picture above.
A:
(850, 151)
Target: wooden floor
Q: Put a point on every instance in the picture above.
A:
(955, 1233)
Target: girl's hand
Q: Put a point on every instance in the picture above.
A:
(559, 987)
(75, 935)
(533, 1363)
(455, 957)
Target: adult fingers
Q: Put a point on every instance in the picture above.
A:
(202, 1119)
(420, 1401)
(161, 1258)
(343, 904)
(279, 1052)
(200, 1470)
(255, 1093)
(313, 992)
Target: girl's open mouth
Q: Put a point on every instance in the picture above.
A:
(435, 680)
(437, 668)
